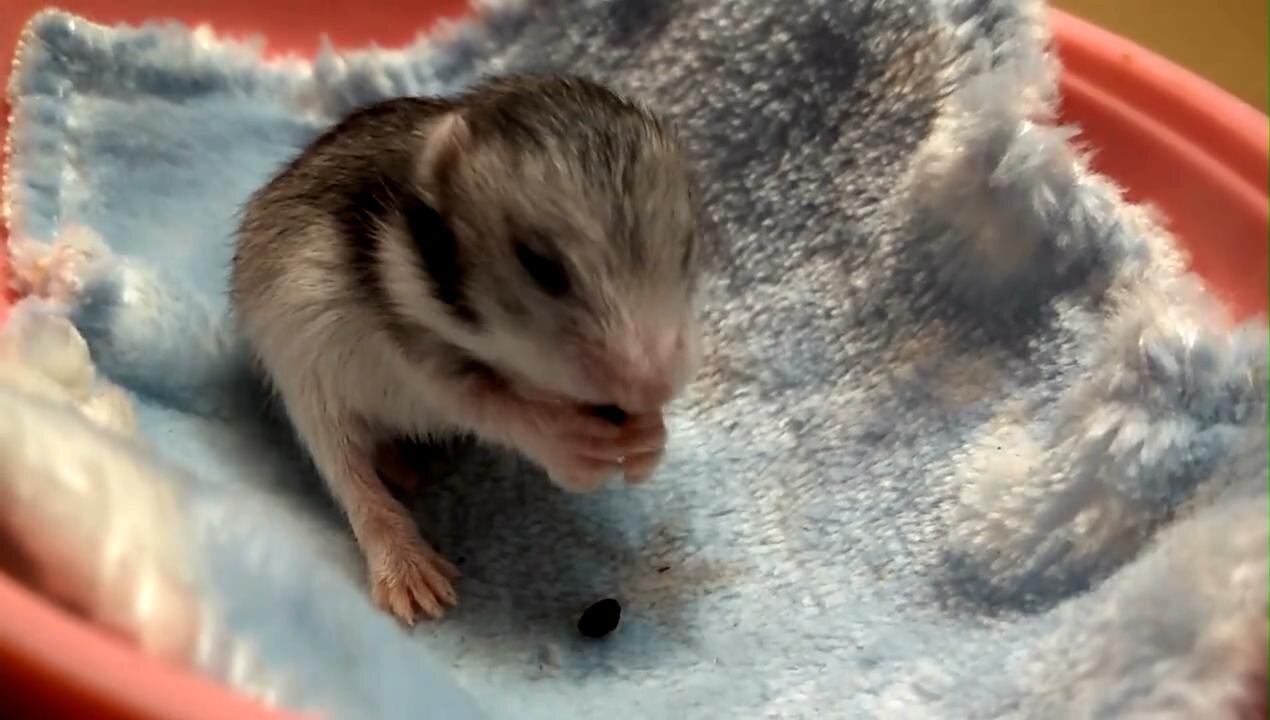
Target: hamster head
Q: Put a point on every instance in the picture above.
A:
(572, 259)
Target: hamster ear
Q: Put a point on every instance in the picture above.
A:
(442, 151)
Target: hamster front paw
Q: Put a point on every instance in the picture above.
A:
(580, 451)
(638, 467)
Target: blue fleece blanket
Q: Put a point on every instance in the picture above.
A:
(967, 443)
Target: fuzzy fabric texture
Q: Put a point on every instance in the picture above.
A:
(968, 442)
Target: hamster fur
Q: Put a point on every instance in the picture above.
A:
(493, 264)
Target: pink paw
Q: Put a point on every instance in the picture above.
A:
(409, 578)
(580, 451)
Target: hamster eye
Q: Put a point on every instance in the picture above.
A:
(547, 273)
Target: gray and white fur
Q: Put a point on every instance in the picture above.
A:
(494, 264)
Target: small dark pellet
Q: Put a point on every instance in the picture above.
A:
(612, 413)
(600, 619)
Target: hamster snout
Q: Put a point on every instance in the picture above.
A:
(640, 377)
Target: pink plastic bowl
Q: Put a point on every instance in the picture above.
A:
(1180, 143)
(1167, 136)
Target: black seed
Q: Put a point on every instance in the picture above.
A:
(600, 619)
(663, 568)
(612, 413)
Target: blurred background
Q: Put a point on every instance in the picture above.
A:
(1223, 40)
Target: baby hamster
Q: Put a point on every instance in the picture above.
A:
(494, 264)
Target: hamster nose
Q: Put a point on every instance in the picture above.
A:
(636, 388)
(633, 376)
(645, 393)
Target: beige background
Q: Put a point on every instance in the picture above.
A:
(1222, 40)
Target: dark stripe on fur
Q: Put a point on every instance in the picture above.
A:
(376, 201)
(358, 215)
(439, 255)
